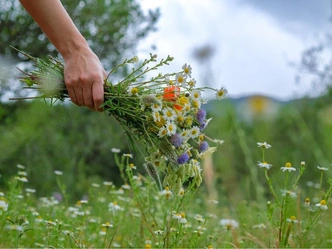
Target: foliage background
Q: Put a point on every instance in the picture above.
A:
(79, 142)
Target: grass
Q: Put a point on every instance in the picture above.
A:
(138, 215)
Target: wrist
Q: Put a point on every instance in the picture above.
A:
(73, 45)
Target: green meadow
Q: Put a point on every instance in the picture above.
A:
(70, 178)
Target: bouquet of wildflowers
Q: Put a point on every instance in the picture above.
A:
(164, 112)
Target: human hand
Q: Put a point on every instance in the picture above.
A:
(84, 78)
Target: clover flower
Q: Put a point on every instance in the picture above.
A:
(203, 146)
(183, 158)
(201, 116)
(176, 140)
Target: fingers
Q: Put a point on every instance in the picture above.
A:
(89, 93)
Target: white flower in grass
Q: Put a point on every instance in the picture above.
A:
(288, 167)
(229, 224)
(169, 81)
(187, 69)
(180, 218)
(107, 225)
(128, 155)
(171, 128)
(106, 183)
(113, 206)
(264, 145)
(3, 205)
(22, 173)
(169, 114)
(322, 168)
(322, 205)
(285, 192)
(115, 150)
(264, 165)
(194, 132)
(95, 185)
(159, 232)
(20, 166)
(58, 172)
(292, 219)
(21, 179)
(180, 79)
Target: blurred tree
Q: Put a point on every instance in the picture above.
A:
(112, 28)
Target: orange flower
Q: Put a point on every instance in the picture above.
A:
(171, 93)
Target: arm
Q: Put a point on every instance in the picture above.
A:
(83, 72)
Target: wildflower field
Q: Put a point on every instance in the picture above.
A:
(267, 184)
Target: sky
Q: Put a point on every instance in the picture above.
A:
(252, 42)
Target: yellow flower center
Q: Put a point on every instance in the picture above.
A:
(169, 114)
(180, 119)
(180, 79)
(307, 199)
(220, 93)
(288, 165)
(183, 100)
(293, 217)
(195, 104)
(183, 215)
(186, 70)
(134, 90)
(323, 202)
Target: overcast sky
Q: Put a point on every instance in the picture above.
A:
(253, 41)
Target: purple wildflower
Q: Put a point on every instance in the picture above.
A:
(176, 139)
(183, 158)
(201, 116)
(202, 126)
(203, 146)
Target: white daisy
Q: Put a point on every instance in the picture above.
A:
(156, 116)
(187, 69)
(264, 145)
(194, 132)
(221, 93)
(322, 205)
(264, 165)
(171, 128)
(196, 95)
(156, 106)
(322, 168)
(229, 224)
(162, 132)
(169, 114)
(180, 79)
